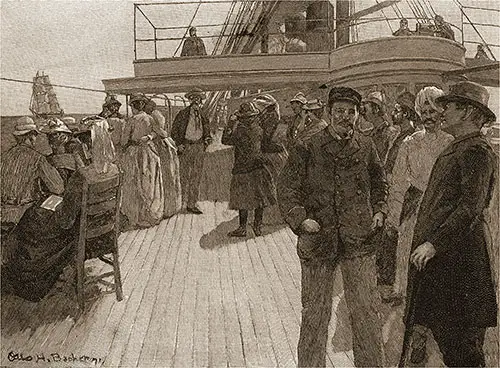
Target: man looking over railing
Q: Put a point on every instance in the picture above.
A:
(193, 45)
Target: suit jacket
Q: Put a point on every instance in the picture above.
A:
(338, 183)
(180, 123)
(455, 288)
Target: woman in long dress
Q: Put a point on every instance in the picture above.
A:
(169, 161)
(143, 201)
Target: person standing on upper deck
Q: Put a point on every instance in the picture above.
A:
(191, 133)
(403, 29)
(193, 45)
(332, 193)
(443, 29)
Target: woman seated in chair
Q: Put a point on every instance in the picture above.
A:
(46, 236)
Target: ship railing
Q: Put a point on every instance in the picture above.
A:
(155, 40)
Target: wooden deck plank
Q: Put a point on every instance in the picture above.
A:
(285, 324)
(281, 348)
(242, 300)
(165, 348)
(204, 271)
(129, 311)
(218, 355)
(141, 324)
(260, 325)
(184, 345)
(158, 319)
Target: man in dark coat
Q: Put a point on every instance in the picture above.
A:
(191, 133)
(193, 45)
(450, 285)
(332, 193)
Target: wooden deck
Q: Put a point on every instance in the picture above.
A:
(193, 297)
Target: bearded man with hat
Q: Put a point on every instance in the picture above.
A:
(332, 193)
(191, 133)
(450, 284)
(26, 174)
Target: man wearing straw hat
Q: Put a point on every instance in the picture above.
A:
(450, 284)
(191, 133)
(23, 170)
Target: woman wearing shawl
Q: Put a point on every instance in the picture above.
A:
(269, 121)
(252, 186)
(45, 239)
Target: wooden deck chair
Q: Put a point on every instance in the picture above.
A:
(99, 231)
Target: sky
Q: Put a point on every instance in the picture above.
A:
(79, 43)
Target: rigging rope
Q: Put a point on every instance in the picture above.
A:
(189, 26)
(53, 85)
(224, 28)
(386, 19)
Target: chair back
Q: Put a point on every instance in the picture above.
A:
(100, 208)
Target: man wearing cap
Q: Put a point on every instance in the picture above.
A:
(193, 45)
(382, 133)
(191, 133)
(314, 122)
(332, 193)
(403, 29)
(297, 121)
(23, 171)
(450, 286)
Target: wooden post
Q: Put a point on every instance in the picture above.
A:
(342, 25)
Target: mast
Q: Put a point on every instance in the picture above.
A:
(44, 101)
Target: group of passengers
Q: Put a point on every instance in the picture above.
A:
(41, 195)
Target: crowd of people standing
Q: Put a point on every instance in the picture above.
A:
(396, 202)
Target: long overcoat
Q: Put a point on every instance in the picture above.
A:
(338, 183)
(455, 288)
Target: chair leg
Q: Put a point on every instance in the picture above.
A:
(79, 283)
(118, 278)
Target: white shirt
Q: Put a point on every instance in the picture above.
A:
(194, 129)
(413, 166)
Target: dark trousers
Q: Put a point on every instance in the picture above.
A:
(386, 258)
(363, 302)
(460, 346)
(191, 169)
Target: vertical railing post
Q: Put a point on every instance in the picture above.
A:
(156, 47)
(135, 32)
(462, 24)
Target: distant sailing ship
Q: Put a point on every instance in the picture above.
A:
(44, 102)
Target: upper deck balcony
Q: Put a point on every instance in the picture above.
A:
(275, 44)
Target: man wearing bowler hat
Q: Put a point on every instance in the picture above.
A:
(450, 286)
(332, 193)
(191, 133)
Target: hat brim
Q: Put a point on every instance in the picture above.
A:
(191, 95)
(372, 100)
(456, 98)
(297, 100)
(352, 100)
(23, 132)
(246, 115)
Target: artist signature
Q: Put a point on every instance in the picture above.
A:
(53, 358)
